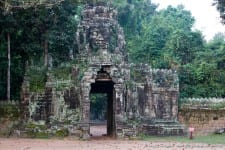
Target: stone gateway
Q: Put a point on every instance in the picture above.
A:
(140, 99)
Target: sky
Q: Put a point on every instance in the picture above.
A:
(206, 15)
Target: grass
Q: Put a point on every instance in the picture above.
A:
(209, 139)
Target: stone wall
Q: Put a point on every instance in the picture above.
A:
(206, 115)
(154, 91)
(9, 117)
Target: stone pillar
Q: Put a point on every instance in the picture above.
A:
(119, 99)
(149, 102)
(118, 110)
(85, 104)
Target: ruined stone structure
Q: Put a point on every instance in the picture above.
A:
(140, 99)
(206, 115)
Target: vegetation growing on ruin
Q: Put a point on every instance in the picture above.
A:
(37, 78)
(162, 38)
(42, 131)
(98, 106)
(9, 110)
(62, 72)
(62, 133)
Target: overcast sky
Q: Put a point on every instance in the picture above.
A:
(206, 15)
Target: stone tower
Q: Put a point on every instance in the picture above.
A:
(102, 46)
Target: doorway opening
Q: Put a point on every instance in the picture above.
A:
(101, 108)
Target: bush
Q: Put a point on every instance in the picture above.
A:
(37, 79)
(62, 133)
(9, 110)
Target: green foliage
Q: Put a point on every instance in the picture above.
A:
(30, 25)
(62, 72)
(163, 39)
(36, 126)
(42, 131)
(204, 76)
(62, 133)
(62, 33)
(82, 68)
(9, 110)
(37, 78)
(153, 46)
(37, 131)
(220, 5)
(98, 106)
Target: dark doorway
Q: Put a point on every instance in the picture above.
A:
(101, 106)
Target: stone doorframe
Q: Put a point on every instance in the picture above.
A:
(118, 98)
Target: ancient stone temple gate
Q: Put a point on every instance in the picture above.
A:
(139, 99)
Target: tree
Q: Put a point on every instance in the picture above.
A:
(203, 77)
(32, 28)
(182, 45)
(220, 5)
(62, 46)
(8, 25)
(152, 46)
(9, 66)
(131, 15)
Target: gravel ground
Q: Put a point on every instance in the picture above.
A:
(99, 142)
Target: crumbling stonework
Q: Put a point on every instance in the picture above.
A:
(140, 99)
(206, 115)
(205, 121)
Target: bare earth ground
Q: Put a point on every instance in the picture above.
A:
(99, 142)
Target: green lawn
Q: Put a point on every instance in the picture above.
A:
(210, 139)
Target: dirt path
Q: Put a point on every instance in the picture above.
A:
(107, 144)
(99, 142)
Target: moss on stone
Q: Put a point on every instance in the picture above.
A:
(62, 72)
(37, 78)
(36, 126)
(37, 131)
(82, 68)
(137, 76)
(62, 133)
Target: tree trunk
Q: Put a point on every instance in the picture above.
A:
(46, 52)
(8, 70)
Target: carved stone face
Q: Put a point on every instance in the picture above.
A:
(99, 32)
